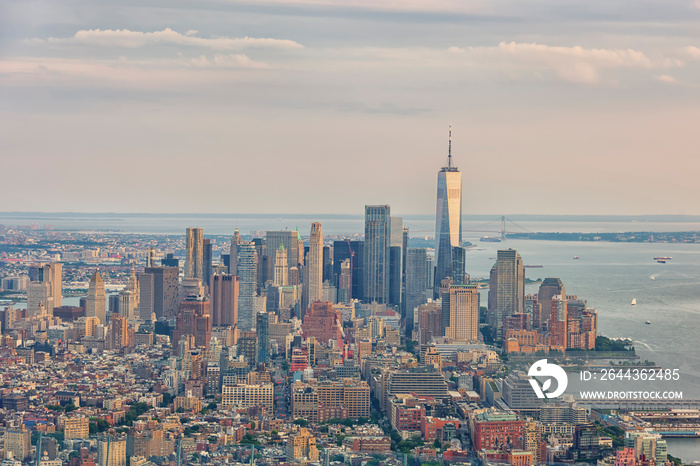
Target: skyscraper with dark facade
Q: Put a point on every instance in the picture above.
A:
(376, 255)
(549, 288)
(416, 283)
(164, 292)
(207, 252)
(448, 218)
(353, 251)
(247, 274)
(262, 328)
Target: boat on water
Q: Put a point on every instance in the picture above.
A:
(490, 239)
(576, 257)
(533, 266)
(661, 261)
(634, 302)
(648, 322)
(663, 258)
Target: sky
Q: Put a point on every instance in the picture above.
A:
(323, 106)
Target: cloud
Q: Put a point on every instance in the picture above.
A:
(695, 4)
(573, 64)
(125, 38)
(694, 52)
(664, 78)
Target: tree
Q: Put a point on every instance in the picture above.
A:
(180, 410)
(437, 443)
(212, 406)
(301, 422)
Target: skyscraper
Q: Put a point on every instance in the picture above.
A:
(247, 275)
(96, 305)
(448, 217)
(224, 300)
(46, 287)
(353, 251)
(549, 288)
(163, 288)
(416, 283)
(464, 313)
(281, 276)
(207, 252)
(506, 289)
(233, 257)
(193, 319)
(376, 253)
(194, 248)
(290, 241)
(262, 328)
(315, 264)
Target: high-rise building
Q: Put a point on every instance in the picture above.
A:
(549, 288)
(224, 300)
(193, 320)
(376, 253)
(207, 253)
(354, 252)
(118, 332)
(194, 250)
(290, 240)
(262, 328)
(464, 313)
(506, 289)
(558, 323)
(322, 322)
(416, 283)
(281, 276)
(233, 255)
(164, 292)
(248, 347)
(97, 299)
(345, 282)
(429, 319)
(396, 262)
(247, 274)
(302, 446)
(39, 299)
(18, 442)
(314, 264)
(53, 275)
(448, 217)
(114, 449)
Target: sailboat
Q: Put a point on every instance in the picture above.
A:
(634, 302)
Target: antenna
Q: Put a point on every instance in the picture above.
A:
(449, 148)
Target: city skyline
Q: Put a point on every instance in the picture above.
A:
(547, 92)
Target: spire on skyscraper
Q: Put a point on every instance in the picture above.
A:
(449, 148)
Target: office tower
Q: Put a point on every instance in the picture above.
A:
(345, 282)
(224, 300)
(328, 264)
(248, 347)
(354, 252)
(549, 288)
(206, 262)
(262, 328)
(322, 322)
(39, 299)
(194, 253)
(416, 283)
(233, 255)
(114, 449)
(170, 261)
(558, 323)
(448, 216)
(302, 446)
(464, 313)
(281, 276)
(118, 332)
(429, 319)
(52, 274)
(146, 296)
(506, 289)
(97, 299)
(18, 442)
(396, 265)
(263, 274)
(128, 304)
(376, 253)
(290, 241)
(247, 275)
(459, 262)
(314, 265)
(162, 291)
(193, 319)
(444, 293)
